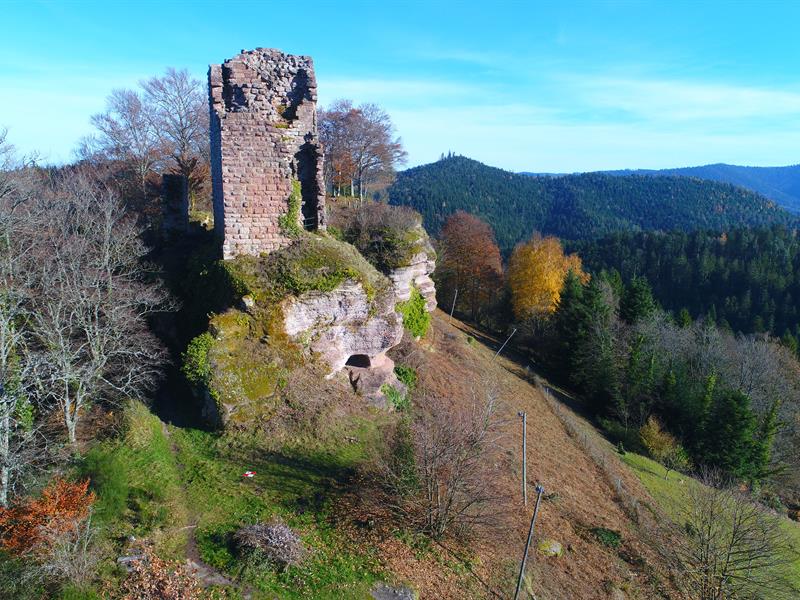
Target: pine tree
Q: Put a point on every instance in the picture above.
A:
(759, 465)
(567, 323)
(728, 443)
(789, 341)
(594, 371)
(637, 301)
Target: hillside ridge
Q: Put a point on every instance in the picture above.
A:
(581, 206)
(781, 184)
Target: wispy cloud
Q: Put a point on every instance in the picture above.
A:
(675, 100)
(521, 138)
(394, 91)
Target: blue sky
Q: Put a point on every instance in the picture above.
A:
(556, 86)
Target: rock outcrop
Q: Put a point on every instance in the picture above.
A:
(344, 325)
(349, 331)
(297, 292)
(417, 274)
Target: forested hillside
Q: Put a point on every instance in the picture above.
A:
(575, 206)
(747, 279)
(781, 184)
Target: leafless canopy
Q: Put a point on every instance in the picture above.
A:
(439, 471)
(361, 151)
(76, 294)
(732, 547)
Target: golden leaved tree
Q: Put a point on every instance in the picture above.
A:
(536, 274)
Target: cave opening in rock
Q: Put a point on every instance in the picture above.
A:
(359, 360)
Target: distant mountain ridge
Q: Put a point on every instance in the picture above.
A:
(584, 206)
(781, 184)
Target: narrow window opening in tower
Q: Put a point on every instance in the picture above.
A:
(309, 188)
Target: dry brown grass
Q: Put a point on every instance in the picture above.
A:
(586, 487)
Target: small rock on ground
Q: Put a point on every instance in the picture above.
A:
(385, 592)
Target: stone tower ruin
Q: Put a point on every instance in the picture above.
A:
(263, 140)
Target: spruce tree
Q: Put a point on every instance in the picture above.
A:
(637, 301)
(728, 436)
(761, 454)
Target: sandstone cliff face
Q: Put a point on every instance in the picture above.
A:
(417, 274)
(317, 304)
(350, 331)
(343, 323)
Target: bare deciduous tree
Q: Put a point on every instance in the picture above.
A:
(126, 133)
(178, 109)
(72, 553)
(91, 301)
(360, 147)
(731, 546)
(440, 470)
(18, 435)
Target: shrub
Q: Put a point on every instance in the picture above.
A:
(387, 236)
(20, 579)
(663, 447)
(447, 452)
(399, 462)
(32, 526)
(607, 537)
(407, 375)
(289, 222)
(397, 399)
(276, 544)
(416, 317)
(195, 366)
(618, 435)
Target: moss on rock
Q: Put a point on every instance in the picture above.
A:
(416, 317)
(241, 365)
(312, 263)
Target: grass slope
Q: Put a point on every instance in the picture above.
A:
(672, 495)
(167, 483)
(294, 484)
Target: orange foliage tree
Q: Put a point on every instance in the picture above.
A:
(32, 525)
(536, 273)
(469, 261)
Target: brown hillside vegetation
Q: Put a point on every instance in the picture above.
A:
(586, 488)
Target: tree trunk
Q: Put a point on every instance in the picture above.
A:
(5, 470)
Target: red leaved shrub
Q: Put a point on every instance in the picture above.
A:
(30, 526)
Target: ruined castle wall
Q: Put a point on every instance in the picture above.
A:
(263, 136)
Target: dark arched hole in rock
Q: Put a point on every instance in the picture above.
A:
(358, 360)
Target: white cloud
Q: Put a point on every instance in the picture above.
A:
(518, 140)
(394, 91)
(676, 100)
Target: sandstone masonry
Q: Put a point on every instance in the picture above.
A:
(264, 137)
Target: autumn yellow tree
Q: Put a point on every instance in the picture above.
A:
(536, 274)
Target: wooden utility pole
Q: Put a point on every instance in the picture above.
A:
(452, 308)
(504, 343)
(539, 492)
(524, 416)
